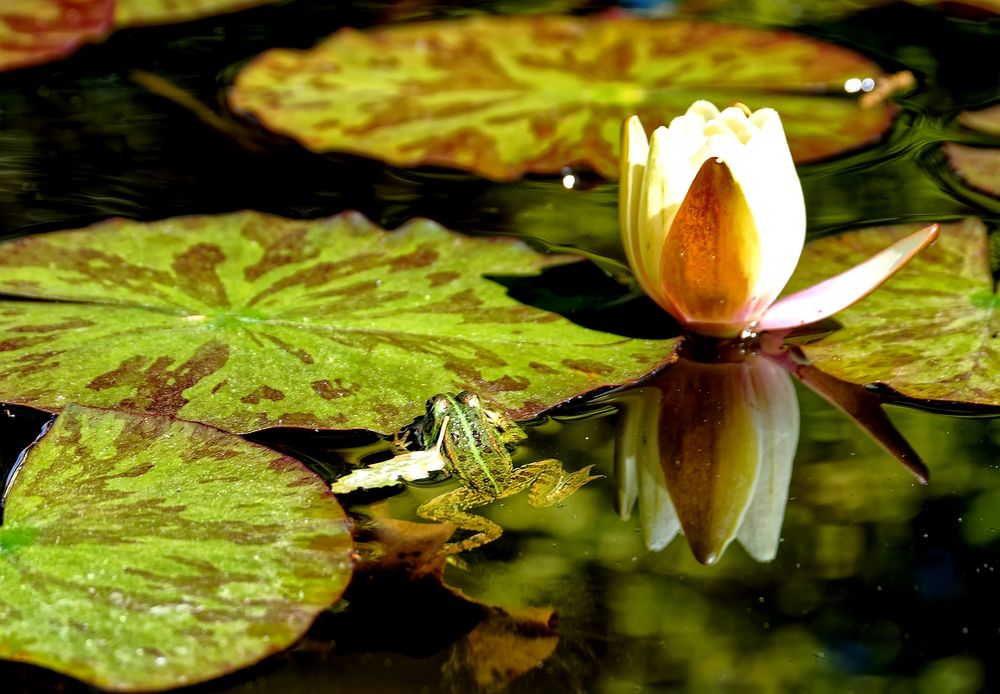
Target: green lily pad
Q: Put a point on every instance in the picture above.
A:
(143, 553)
(505, 96)
(38, 31)
(247, 321)
(978, 166)
(144, 12)
(931, 331)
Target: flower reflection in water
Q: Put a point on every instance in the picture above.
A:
(706, 445)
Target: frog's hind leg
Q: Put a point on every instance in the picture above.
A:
(549, 483)
(450, 508)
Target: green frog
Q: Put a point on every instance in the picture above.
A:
(476, 445)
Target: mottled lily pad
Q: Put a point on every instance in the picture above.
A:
(143, 12)
(977, 166)
(795, 12)
(986, 120)
(931, 331)
(144, 553)
(37, 31)
(248, 321)
(505, 96)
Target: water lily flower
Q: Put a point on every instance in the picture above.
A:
(713, 222)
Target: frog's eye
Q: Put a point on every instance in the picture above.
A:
(439, 405)
(470, 399)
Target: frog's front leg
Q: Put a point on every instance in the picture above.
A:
(549, 483)
(451, 508)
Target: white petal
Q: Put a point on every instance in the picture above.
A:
(637, 466)
(657, 205)
(766, 173)
(776, 406)
(660, 524)
(706, 110)
(635, 152)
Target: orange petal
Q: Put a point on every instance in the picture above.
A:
(711, 256)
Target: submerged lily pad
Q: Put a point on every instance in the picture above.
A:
(37, 31)
(143, 553)
(248, 321)
(142, 12)
(505, 96)
(931, 331)
(978, 166)
(986, 120)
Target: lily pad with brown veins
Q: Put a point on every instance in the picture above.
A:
(143, 12)
(506, 96)
(247, 321)
(931, 331)
(38, 31)
(140, 553)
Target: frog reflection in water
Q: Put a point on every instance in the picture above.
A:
(476, 446)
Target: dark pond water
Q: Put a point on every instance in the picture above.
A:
(879, 584)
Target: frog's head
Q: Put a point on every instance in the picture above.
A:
(470, 399)
(438, 407)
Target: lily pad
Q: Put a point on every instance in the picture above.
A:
(505, 96)
(248, 321)
(144, 12)
(931, 331)
(986, 120)
(978, 166)
(37, 31)
(143, 553)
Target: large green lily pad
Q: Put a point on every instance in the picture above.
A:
(141, 12)
(143, 553)
(505, 96)
(931, 331)
(37, 31)
(248, 321)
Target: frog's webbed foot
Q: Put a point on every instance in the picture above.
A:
(401, 442)
(549, 483)
(450, 508)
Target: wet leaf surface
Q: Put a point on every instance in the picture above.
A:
(142, 553)
(37, 31)
(247, 321)
(931, 331)
(505, 96)
(141, 12)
